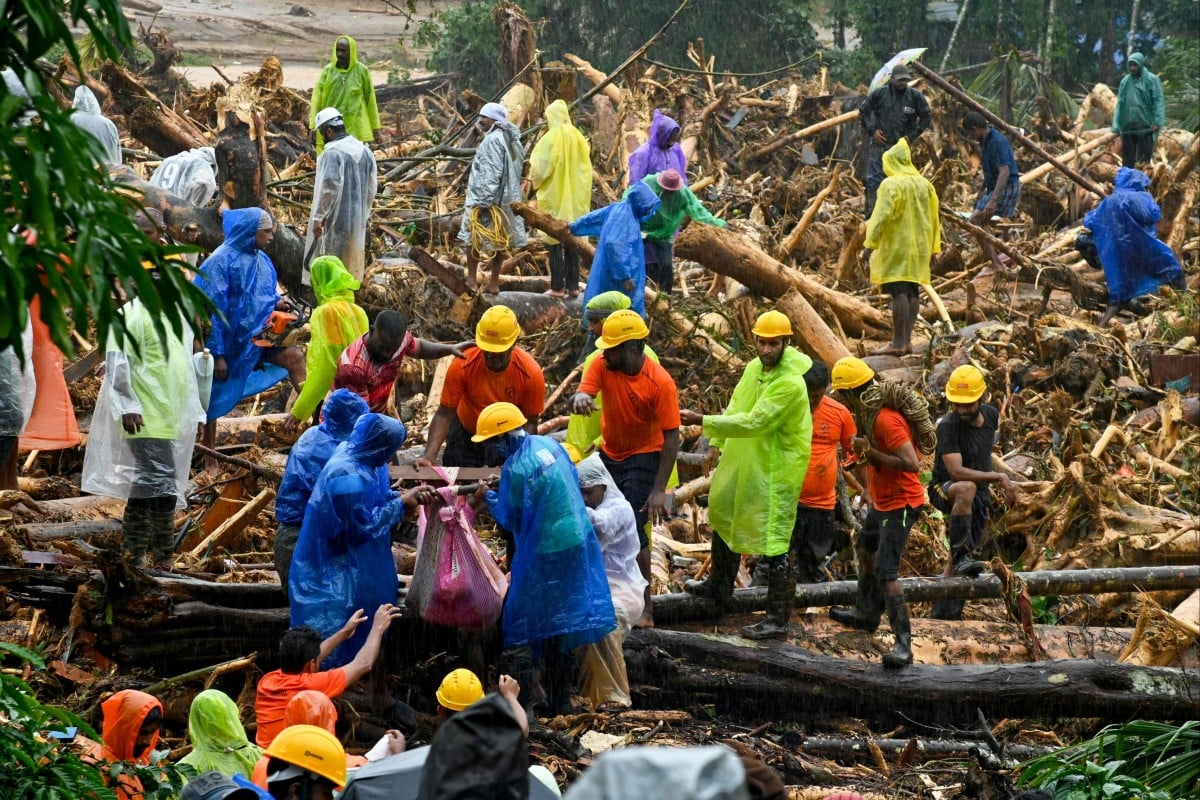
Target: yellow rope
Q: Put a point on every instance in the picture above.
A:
(495, 234)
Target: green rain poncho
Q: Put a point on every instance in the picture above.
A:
(904, 229)
(1140, 102)
(765, 439)
(218, 739)
(351, 92)
(336, 322)
(665, 222)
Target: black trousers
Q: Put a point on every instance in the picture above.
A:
(1136, 148)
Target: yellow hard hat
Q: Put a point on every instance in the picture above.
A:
(772, 325)
(622, 326)
(573, 452)
(312, 749)
(497, 330)
(850, 373)
(966, 385)
(496, 419)
(459, 689)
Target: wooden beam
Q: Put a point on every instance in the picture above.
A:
(234, 525)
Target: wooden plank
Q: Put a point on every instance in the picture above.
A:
(234, 524)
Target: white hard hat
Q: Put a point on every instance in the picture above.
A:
(328, 115)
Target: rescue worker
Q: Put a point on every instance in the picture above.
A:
(890, 113)
(560, 171)
(131, 721)
(1001, 181)
(306, 459)
(1140, 114)
(904, 232)
(676, 202)
(335, 323)
(639, 422)
(895, 498)
(17, 391)
(458, 690)
(343, 193)
(309, 707)
(620, 260)
(489, 226)
(554, 557)
(765, 439)
(962, 474)
(218, 739)
(345, 84)
(495, 370)
(660, 151)
(191, 175)
(88, 117)
(306, 763)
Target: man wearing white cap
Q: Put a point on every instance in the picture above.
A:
(489, 226)
(345, 187)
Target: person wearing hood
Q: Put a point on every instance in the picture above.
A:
(1125, 231)
(343, 193)
(904, 232)
(191, 175)
(490, 228)
(558, 597)
(130, 728)
(218, 739)
(1140, 114)
(307, 458)
(345, 84)
(765, 440)
(560, 171)
(892, 112)
(335, 323)
(343, 558)
(240, 280)
(678, 201)
(18, 387)
(620, 260)
(660, 151)
(1001, 182)
(694, 773)
(88, 117)
(602, 675)
(143, 431)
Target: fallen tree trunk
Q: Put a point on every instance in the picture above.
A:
(151, 121)
(779, 681)
(923, 749)
(558, 229)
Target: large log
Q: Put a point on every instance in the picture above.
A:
(151, 121)
(241, 149)
(809, 331)
(778, 681)
(558, 229)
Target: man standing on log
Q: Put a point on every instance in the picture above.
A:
(961, 476)
(489, 225)
(494, 371)
(765, 439)
(895, 498)
(345, 83)
(677, 202)
(343, 193)
(639, 423)
(1001, 180)
(890, 113)
(904, 232)
(1141, 112)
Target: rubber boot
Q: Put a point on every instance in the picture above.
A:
(959, 531)
(868, 605)
(901, 655)
(762, 572)
(137, 529)
(781, 594)
(162, 539)
(718, 585)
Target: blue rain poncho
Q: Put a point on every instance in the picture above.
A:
(240, 280)
(620, 255)
(557, 584)
(88, 117)
(1135, 262)
(343, 559)
(312, 452)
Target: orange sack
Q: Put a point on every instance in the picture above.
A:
(52, 425)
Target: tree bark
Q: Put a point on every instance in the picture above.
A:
(558, 229)
(149, 119)
(241, 150)
(809, 331)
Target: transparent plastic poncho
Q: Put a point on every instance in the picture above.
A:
(343, 192)
(190, 175)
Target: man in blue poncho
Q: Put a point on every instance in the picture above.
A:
(308, 457)
(240, 280)
(1126, 244)
(558, 596)
(620, 261)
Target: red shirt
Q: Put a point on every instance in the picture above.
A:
(637, 408)
(893, 489)
(471, 387)
(832, 425)
(276, 689)
(370, 381)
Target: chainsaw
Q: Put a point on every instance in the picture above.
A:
(282, 326)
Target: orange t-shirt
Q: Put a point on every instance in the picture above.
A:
(276, 688)
(892, 489)
(471, 387)
(832, 425)
(637, 408)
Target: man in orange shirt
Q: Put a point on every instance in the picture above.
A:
(639, 424)
(495, 371)
(895, 498)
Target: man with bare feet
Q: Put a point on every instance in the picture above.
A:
(489, 226)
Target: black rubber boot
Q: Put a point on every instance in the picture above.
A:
(901, 655)
(868, 605)
(718, 585)
(950, 608)
(959, 531)
(762, 574)
(781, 594)
(137, 529)
(162, 538)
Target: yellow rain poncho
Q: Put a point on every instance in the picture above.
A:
(560, 168)
(351, 91)
(336, 322)
(218, 739)
(765, 439)
(904, 230)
